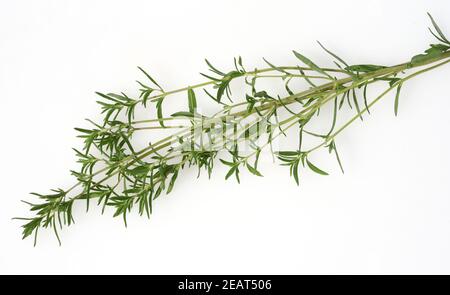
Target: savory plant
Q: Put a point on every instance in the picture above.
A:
(116, 173)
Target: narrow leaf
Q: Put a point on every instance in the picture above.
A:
(213, 69)
(295, 172)
(160, 111)
(183, 114)
(310, 64)
(397, 96)
(253, 170)
(150, 78)
(438, 30)
(333, 55)
(192, 101)
(276, 68)
(315, 168)
(364, 68)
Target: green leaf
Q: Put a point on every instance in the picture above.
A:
(223, 86)
(212, 97)
(231, 172)
(213, 69)
(310, 64)
(331, 148)
(226, 163)
(355, 101)
(160, 111)
(295, 172)
(288, 153)
(335, 108)
(210, 78)
(123, 97)
(183, 114)
(333, 55)
(392, 81)
(172, 181)
(253, 170)
(192, 101)
(84, 130)
(276, 68)
(364, 68)
(30, 227)
(107, 97)
(438, 30)
(315, 168)
(132, 191)
(150, 78)
(435, 51)
(139, 170)
(221, 90)
(262, 94)
(258, 152)
(397, 96)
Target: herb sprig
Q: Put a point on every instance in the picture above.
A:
(116, 174)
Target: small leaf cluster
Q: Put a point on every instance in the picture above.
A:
(293, 159)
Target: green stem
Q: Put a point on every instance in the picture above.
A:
(378, 98)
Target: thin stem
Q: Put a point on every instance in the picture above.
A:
(378, 98)
(159, 127)
(252, 73)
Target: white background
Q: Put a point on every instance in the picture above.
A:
(389, 213)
